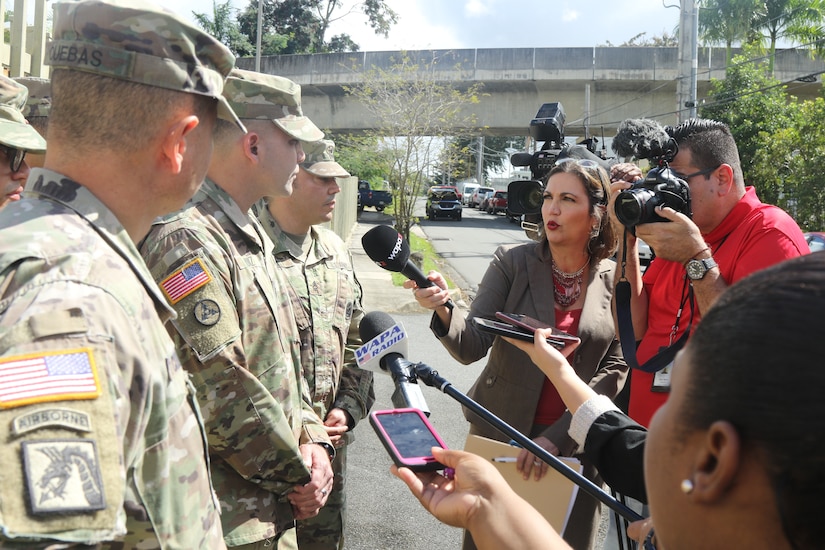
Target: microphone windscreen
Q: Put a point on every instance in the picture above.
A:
(373, 324)
(640, 137)
(386, 247)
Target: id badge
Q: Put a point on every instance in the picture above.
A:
(661, 380)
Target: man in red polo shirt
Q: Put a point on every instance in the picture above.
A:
(730, 235)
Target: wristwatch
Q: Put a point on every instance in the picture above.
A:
(696, 269)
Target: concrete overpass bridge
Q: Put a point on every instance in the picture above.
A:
(598, 87)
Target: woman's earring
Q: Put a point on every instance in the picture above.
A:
(686, 486)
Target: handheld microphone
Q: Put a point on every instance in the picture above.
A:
(387, 248)
(386, 344)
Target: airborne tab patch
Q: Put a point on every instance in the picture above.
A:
(48, 376)
(63, 475)
(185, 281)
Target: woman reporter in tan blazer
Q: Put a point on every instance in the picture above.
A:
(566, 280)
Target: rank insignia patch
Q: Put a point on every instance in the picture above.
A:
(63, 476)
(48, 376)
(185, 281)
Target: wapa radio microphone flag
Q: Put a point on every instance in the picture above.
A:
(392, 338)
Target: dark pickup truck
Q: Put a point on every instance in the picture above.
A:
(372, 197)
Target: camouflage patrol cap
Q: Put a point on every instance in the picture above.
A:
(320, 160)
(39, 102)
(15, 132)
(140, 42)
(269, 97)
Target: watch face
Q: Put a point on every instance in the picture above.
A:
(696, 269)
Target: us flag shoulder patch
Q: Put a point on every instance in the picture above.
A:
(48, 376)
(185, 280)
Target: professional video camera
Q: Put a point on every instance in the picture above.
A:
(525, 197)
(646, 139)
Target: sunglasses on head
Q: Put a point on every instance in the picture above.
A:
(584, 163)
(15, 157)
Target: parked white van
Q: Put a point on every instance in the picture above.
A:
(467, 192)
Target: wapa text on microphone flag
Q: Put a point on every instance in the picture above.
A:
(384, 350)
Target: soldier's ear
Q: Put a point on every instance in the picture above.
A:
(250, 143)
(174, 145)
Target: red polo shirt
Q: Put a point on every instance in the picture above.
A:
(751, 237)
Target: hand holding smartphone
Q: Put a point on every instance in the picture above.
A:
(408, 437)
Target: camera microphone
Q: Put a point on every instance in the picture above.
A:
(387, 248)
(643, 138)
(386, 344)
(521, 159)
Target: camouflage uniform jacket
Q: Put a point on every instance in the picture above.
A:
(328, 311)
(105, 441)
(237, 336)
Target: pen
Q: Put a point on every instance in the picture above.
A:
(504, 459)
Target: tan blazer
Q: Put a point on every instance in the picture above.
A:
(520, 280)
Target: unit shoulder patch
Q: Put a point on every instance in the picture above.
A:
(63, 475)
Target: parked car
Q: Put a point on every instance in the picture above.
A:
(497, 203)
(482, 205)
(443, 203)
(478, 194)
(467, 192)
(815, 240)
(450, 187)
(372, 197)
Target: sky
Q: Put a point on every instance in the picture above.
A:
(443, 24)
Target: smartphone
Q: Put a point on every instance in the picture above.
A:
(528, 323)
(408, 437)
(512, 331)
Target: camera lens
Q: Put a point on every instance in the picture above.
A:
(533, 199)
(630, 206)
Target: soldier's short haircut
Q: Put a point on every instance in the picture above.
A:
(96, 112)
(39, 123)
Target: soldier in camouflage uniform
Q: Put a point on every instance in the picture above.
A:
(318, 266)
(36, 111)
(103, 442)
(16, 140)
(236, 331)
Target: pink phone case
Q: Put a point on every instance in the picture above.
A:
(408, 437)
(528, 323)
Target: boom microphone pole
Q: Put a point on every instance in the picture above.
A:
(431, 377)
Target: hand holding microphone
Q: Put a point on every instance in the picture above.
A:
(387, 248)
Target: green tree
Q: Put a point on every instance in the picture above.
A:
(413, 112)
(225, 28)
(459, 157)
(795, 20)
(756, 108)
(305, 23)
(726, 22)
(793, 164)
(664, 40)
(363, 157)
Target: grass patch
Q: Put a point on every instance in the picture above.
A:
(432, 261)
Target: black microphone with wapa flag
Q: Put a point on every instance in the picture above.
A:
(387, 248)
(384, 350)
